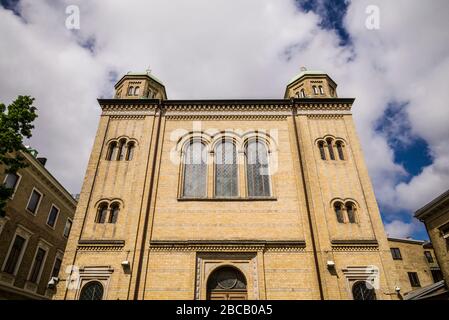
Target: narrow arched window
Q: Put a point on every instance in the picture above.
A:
(350, 210)
(321, 147)
(361, 290)
(257, 171)
(130, 91)
(330, 147)
(136, 91)
(130, 150)
(226, 171)
(303, 93)
(315, 90)
(93, 290)
(102, 213)
(112, 151)
(195, 170)
(122, 149)
(338, 207)
(321, 90)
(340, 150)
(115, 209)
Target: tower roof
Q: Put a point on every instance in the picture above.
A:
(305, 72)
(145, 74)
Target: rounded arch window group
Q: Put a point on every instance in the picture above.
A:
(107, 212)
(331, 148)
(226, 167)
(121, 149)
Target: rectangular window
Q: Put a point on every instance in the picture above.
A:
(14, 255)
(37, 265)
(414, 280)
(34, 201)
(68, 226)
(56, 267)
(396, 253)
(52, 216)
(428, 256)
(12, 182)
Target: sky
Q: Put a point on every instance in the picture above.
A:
(397, 71)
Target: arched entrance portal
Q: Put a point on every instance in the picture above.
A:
(227, 283)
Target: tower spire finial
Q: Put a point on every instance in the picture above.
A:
(148, 70)
(303, 68)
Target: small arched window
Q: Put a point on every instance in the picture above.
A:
(195, 170)
(257, 170)
(338, 208)
(102, 213)
(321, 147)
(130, 91)
(226, 171)
(112, 151)
(350, 210)
(130, 150)
(361, 290)
(321, 90)
(340, 150)
(315, 90)
(136, 91)
(303, 93)
(330, 148)
(115, 209)
(122, 149)
(93, 290)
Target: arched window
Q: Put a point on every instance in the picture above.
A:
(136, 91)
(361, 290)
(226, 171)
(315, 90)
(330, 147)
(115, 209)
(321, 90)
(321, 147)
(112, 151)
(195, 170)
(257, 172)
(350, 210)
(150, 94)
(130, 150)
(130, 91)
(303, 93)
(227, 283)
(338, 207)
(93, 290)
(340, 150)
(102, 213)
(122, 149)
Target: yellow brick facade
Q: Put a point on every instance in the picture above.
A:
(288, 245)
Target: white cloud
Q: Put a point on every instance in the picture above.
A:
(210, 49)
(399, 229)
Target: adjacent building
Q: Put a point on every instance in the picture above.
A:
(435, 216)
(34, 232)
(227, 199)
(415, 263)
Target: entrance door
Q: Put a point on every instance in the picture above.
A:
(227, 283)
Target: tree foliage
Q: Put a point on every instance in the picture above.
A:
(16, 122)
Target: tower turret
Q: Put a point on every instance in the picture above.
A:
(311, 84)
(140, 86)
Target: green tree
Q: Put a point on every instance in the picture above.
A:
(15, 124)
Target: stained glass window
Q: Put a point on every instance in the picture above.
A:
(257, 171)
(226, 171)
(195, 170)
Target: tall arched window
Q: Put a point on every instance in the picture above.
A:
(93, 290)
(112, 151)
(321, 147)
(350, 210)
(361, 290)
(136, 91)
(102, 213)
(195, 170)
(130, 150)
(330, 147)
(130, 91)
(338, 207)
(257, 171)
(315, 90)
(303, 93)
(226, 170)
(340, 150)
(122, 149)
(115, 209)
(321, 90)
